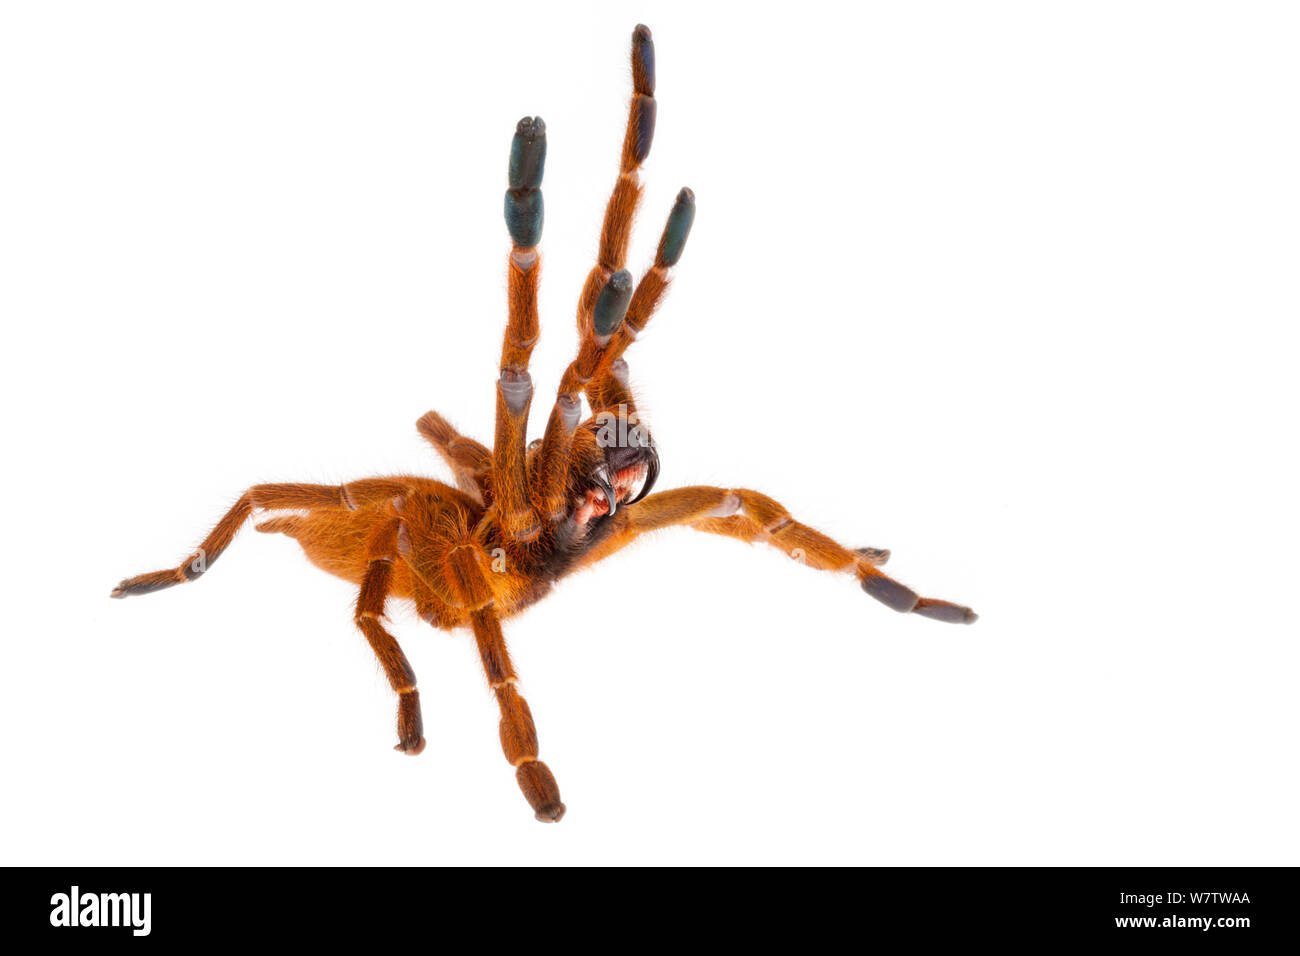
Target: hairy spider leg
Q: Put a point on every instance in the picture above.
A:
(616, 230)
(524, 215)
(470, 461)
(609, 386)
(650, 290)
(518, 732)
(608, 294)
(381, 551)
(607, 288)
(752, 516)
(268, 497)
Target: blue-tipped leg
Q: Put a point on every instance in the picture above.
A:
(897, 597)
(611, 305)
(528, 153)
(643, 60)
(523, 206)
(678, 229)
(644, 109)
(524, 216)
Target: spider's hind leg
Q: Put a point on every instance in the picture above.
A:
(271, 497)
(216, 542)
(382, 552)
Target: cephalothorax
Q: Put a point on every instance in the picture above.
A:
(522, 516)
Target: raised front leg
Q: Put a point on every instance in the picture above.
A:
(610, 309)
(523, 208)
(609, 386)
(616, 231)
(752, 516)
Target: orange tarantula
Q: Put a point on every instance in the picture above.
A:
(523, 515)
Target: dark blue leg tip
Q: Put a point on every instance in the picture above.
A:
(531, 127)
(945, 611)
(643, 60)
(612, 303)
(678, 229)
(528, 153)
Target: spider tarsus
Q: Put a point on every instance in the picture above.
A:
(528, 153)
(945, 611)
(540, 790)
(146, 584)
(643, 60)
(551, 813)
(411, 750)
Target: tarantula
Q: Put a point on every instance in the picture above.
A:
(522, 516)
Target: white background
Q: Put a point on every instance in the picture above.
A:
(1009, 288)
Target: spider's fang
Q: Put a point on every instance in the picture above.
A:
(651, 476)
(611, 305)
(643, 60)
(602, 481)
(678, 229)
